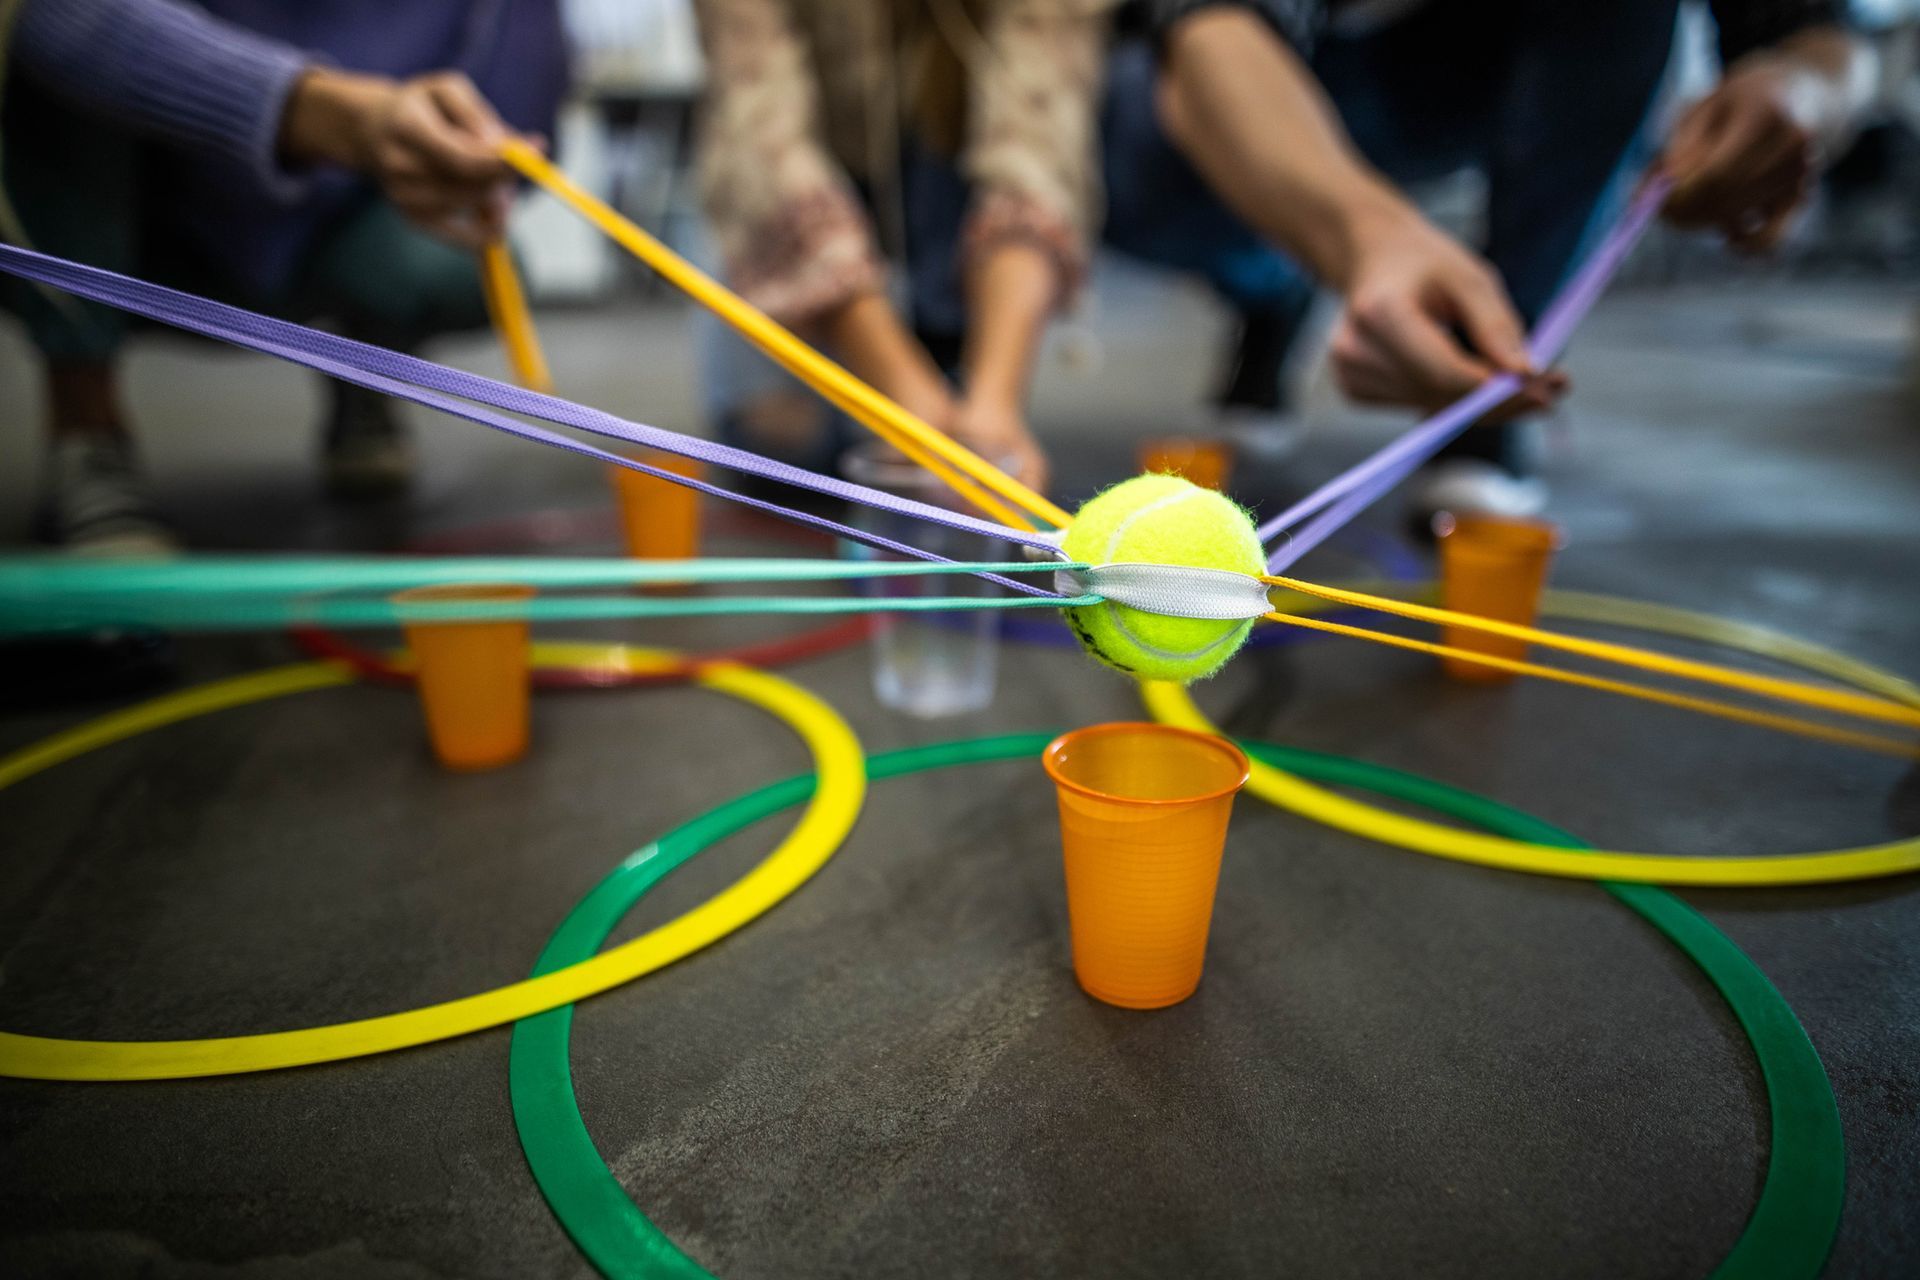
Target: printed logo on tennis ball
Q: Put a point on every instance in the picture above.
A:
(1161, 519)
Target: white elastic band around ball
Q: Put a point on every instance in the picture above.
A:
(1175, 591)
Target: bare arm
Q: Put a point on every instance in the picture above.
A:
(877, 347)
(1011, 288)
(1030, 155)
(1250, 116)
(792, 233)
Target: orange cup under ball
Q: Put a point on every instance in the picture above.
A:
(1143, 820)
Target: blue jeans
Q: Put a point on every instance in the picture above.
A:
(1549, 98)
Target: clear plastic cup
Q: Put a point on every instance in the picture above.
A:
(1143, 819)
(940, 662)
(1207, 463)
(659, 520)
(472, 678)
(1492, 567)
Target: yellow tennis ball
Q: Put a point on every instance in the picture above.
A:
(1161, 519)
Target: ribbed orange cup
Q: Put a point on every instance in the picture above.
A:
(472, 678)
(1143, 818)
(1492, 567)
(1207, 463)
(660, 520)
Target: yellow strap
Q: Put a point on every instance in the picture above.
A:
(838, 760)
(1706, 706)
(507, 305)
(939, 453)
(1728, 633)
(1172, 704)
(1840, 700)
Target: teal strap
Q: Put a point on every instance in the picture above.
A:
(44, 592)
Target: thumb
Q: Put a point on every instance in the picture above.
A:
(1492, 324)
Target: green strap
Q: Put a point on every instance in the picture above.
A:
(39, 592)
(209, 613)
(1787, 1237)
(46, 574)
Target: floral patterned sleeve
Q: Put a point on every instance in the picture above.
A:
(791, 233)
(1030, 151)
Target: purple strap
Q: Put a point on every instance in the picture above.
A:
(451, 391)
(1339, 500)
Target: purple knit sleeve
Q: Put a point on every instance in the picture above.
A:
(169, 71)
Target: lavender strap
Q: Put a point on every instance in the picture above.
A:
(451, 391)
(1351, 492)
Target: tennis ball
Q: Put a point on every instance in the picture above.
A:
(1161, 519)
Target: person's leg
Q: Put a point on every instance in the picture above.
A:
(74, 185)
(381, 280)
(1161, 212)
(1571, 134)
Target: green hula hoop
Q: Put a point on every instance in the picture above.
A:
(1787, 1237)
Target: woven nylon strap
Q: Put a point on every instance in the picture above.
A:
(1175, 591)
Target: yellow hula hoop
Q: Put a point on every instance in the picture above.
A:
(830, 815)
(1172, 704)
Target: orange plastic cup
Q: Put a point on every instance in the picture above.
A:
(1493, 568)
(1207, 463)
(659, 519)
(472, 678)
(1143, 818)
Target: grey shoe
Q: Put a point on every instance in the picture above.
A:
(366, 453)
(1259, 435)
(97, 502)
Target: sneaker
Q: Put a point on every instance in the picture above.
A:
(366, 453)
(97, 501)
(1470, 486)
(1258, 435)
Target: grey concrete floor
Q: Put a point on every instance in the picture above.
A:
(1396, 1065)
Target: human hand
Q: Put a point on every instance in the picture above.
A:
(1413, 294)
(997, 430)
(432, 143)
(1743, 158)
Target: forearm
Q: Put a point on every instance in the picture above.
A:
(1250, 116)
(166, 70)
(1011, 289)
(876, 347)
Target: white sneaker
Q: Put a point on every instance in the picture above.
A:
(1258, 435)
(1471, 486)
(96, 500)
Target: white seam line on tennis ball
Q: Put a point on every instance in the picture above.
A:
(1170, 655)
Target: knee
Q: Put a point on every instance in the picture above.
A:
(430, 288)
(392, 284)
